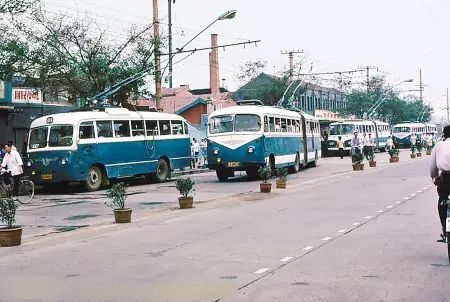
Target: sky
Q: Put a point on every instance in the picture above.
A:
(399, 37)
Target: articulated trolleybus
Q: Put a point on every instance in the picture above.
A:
(248, 136)
(96, 146)
(379, 131)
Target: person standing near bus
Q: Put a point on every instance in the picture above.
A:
(14, 165)
(340, 146)
(389, 143)
(203, 148)
(355, 143)
(196, 151)
(413, 139)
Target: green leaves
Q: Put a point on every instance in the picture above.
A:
(8, 211)
(185, 185)
(265, 172)
(117, 195)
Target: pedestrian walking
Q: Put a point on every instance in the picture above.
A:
(340, 146)
(389, 143)
(13, 164)
(204, 151)
(196, 151)
(413, 139)
(356, 142)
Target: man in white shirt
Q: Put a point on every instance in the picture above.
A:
(13, 163)
(440, 174)
(196, 150)
(389, 143)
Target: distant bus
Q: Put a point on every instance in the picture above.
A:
(96, 146)
(246, 137)
(379, 131)
(431, 129)
(401, 133)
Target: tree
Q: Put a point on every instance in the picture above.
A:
(16, 6)
(75, 56)
(250, 70)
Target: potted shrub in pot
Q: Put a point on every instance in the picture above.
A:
(117, 195)
(371, 158)
(394, 155)
(10, 235)
(185, 186)
(282, 174)
(429, 149)
(357, 159)
(265, 173)
(413, 151)
(419, 146)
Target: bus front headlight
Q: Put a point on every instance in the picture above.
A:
(251, 150)
(216, 151)
(29, 163)
(63, 161)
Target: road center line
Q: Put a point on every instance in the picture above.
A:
(342, 231)
(380, 211)
(286, 259)
(356, 223)
(368, 217)
(308, 248)
(326, 238)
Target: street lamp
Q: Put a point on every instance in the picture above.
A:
(381, 99)
(225, 16)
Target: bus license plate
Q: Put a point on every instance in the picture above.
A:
(233, 164)
(46, 177)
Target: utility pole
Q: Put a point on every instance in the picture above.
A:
(291, 61)
(170, 44)
(368, 68)
(158, 93)
(421, 88)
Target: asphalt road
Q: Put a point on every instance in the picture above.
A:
(333, 235)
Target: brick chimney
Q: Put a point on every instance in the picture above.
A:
(214, 80)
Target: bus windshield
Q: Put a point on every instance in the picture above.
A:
(38, 138)
(60, 136)
(237, 123)
(221, 124)
(341, 129)
(401, 129)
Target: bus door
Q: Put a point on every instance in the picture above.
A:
(150, 139)
(305, 126)
(87, 145)
(377, 135)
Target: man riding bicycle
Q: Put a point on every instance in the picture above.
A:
(13, 163)
(440, 162)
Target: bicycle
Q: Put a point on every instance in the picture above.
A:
(26, 189)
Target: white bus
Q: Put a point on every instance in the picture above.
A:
(380, 132)
(96, 146)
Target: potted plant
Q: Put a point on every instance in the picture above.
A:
(265, 173)
(10, 235)
(413, 151)
(394, 152)
(429, 149)
(185, 186)
(282, 174)
(371, 158)
(117, 195)
(419, 146)
(357, 159)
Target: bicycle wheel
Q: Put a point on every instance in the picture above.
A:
(26, 191)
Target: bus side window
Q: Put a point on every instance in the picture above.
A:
(177, 127)
(272, 124)
(283, 125)
(164, 127)
(121, 128)
(297, 126)
(137, 128)
(104, 129)
(266, 124)
(152, 128)
(86, 130)
(289, 126)
(186, 128)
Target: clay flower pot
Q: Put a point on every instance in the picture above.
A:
(281, 183)
(412, 155)
(122, 215)
(428, 152)
(186, 202)
(265, 187)
(372, 164)
(419, 154)
(10, 236)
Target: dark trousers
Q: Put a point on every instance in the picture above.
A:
(443, 189)
(341, 152)
(7, 178)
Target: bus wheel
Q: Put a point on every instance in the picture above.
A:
(296, 167)
(162, 171)
(94, 179)
(222, 174)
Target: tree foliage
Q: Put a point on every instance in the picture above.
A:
(250, 70)
(393, 108)
(16, 6)
(75, 56)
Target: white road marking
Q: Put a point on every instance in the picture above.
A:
(406, 198)
(380, 211)
(368, 217)
(412, 195)
(342, 231)
(390, 207)
(326, 238)
(398, 202)
(420, 191)
(356, 223)
(262, 270)
(308, 248)
(286, 259)
(425, 188)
